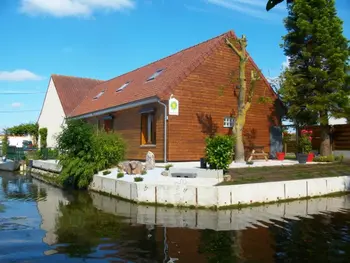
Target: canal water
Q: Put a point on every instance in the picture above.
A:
(40, 223)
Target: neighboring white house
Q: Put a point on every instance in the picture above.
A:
(63, 95)
(334, 121)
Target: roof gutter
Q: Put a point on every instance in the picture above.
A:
(117, 108)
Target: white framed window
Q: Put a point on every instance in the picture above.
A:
(228, 122)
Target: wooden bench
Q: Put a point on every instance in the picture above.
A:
(257, 151)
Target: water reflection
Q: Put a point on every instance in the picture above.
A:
(61, 226)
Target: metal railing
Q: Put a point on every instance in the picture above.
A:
(19, 154)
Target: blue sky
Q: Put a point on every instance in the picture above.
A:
(105, 38)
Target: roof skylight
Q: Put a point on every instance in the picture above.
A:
(123, 86)
(99, 95)
(156, 74)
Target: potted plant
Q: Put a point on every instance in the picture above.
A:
(305, 146)
(286, 136)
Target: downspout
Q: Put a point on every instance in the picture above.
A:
(165, 128)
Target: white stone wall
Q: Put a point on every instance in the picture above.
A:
(221, 220)
(219, 196)
(52, 114)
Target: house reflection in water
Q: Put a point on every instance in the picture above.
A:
(49, 209)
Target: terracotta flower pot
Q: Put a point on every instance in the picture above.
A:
(280, 156)
(310, 157)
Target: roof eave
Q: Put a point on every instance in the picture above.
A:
(117, 108)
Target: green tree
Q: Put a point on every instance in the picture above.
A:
(314, 86)
(5, 144)
(43, 137)
(25, 129)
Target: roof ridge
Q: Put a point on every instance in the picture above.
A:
(197, 62)
(66, 76)
(211, 46)
(173, 54)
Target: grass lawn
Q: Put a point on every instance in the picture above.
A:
(284, 173)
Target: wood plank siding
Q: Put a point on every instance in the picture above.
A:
(208, 94)
(205, 97)
(128, 124)
(340, 137)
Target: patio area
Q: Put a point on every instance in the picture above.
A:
(233, 165)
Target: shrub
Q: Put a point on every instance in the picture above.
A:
(43, 137)
(5, 144)
(120, 175)
(143, 172)
(109, 149)
(250, 162)
(138, 179)
(168, 166)
(85, 152)
(328, 159)
(219, 151)
(106, 172)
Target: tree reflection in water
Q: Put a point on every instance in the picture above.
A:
(82, 227)
(20, 188)
(218, 246)
(322, 238)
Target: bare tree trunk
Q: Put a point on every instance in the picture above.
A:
(244, 101)
(239, 147)
(325, 147)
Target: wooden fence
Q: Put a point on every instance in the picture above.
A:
(340, 137)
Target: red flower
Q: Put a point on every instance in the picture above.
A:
(310, 138)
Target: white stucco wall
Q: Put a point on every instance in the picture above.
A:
(52, 115)
(334, 121)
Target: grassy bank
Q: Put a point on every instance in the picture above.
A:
(285, 173)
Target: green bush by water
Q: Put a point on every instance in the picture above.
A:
(219, 151)
(328, 159)
(43, 137)
(84, 152)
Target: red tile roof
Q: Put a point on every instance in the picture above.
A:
(72, 90)
(176, 68)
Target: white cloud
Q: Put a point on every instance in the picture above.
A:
(255, 8)
(64, 8)
(16, 105)
(285, 64)
(18, 75)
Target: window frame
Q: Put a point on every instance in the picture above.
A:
(99, 95)
(155, 74)
(148, 133)
(228, 122)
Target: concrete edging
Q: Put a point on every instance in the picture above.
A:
(185, 195)
(47, 166)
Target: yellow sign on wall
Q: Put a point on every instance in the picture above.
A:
(173, 106)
